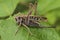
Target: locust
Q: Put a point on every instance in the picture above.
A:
(30, 20)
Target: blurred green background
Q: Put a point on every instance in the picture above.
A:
(10, 8)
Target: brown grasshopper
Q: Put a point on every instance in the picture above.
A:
(30, 20)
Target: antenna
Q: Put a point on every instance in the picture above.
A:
(30, 9)
(30, 12)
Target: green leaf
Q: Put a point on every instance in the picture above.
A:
(7, 7)
(8, 27)
(47, 5)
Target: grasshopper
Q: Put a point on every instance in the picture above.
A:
(30, 20)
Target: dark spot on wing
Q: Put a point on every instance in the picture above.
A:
(44, 18)
(18, 23)
(31, 17)
(19, 18)
(35, 18)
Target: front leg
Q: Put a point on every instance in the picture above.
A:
(20, 23)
